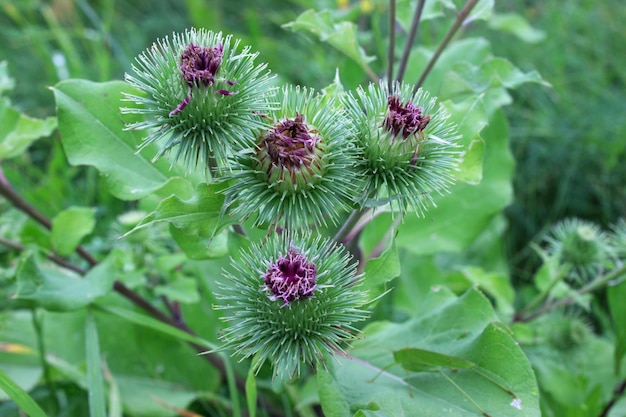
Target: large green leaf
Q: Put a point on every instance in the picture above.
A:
(59, 290)
(451, 358)
(342, 35)
(18, 131)
(70, 226)
(93, 133)
(461, 216)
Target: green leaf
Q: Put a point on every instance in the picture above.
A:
(18, 131)
(201, 215)
(515, 24)
(70, 226)
(251, 391)
(476, 367)
(461, 217)
(380, 270)
(150, 323)
(93, 133)
(182, 289)
(95, 379)
(333, 403)
(21, 397)
(198, 247)
(616, 295)
(57, 290)
(471, 117)
(341, 35)
(497, 285)
(492, 72)
(420, 360)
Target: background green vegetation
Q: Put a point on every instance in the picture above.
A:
(568, 140)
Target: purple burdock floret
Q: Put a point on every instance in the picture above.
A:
(290, 144)
(291, 277)
(199, 65)
(404, 119)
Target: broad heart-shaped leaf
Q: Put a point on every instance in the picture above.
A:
(92, 132)
(70, 226)
(341, 35)
(57, 290)
(463, 214)
(18, 131)
(475, 366)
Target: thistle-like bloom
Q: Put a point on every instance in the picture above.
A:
(301, 169)
(292, 277)
(201, 94)
(409, 147)
(291, 300)
(581, 246)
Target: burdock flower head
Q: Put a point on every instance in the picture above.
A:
(300, 170)
(580, 246)
(409, 147)
(292, 301)
(201, 94)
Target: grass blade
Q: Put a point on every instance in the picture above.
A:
(21, 397)
(95, 381)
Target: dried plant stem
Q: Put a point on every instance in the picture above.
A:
(460, 19)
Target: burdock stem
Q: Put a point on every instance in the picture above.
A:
(460, 19)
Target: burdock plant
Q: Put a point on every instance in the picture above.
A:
(300, 170)
(408, 146)
(201, 94)
(292, 300)
(581, 246)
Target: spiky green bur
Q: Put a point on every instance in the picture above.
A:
(409, 147)
(300, 170)
(201, 94)
(581, 246)
(291, 301)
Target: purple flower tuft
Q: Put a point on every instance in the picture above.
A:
(406, 119)
(199, 65)
(291, 277)
(290, 144)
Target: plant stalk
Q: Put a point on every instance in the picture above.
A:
(417, 16)
(460, 19)
(392, 42)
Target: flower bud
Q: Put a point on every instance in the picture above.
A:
(581, 246)
(292, 300)
(408, 146)
(300, 170)
(201, 94)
